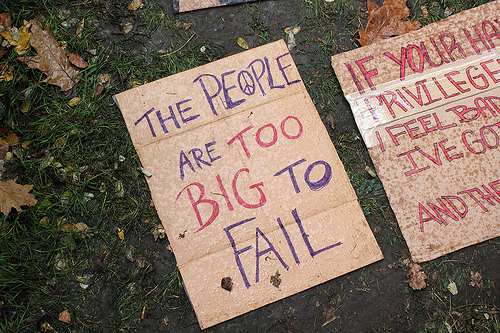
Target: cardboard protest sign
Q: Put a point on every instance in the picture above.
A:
(187, 5)
(427, 104)
(250, 190)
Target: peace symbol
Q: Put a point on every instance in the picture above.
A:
(248, 84)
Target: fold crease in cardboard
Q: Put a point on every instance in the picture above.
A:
(427, 104)
(246, 182)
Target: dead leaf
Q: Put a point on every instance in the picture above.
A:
(18, 38)
(127, 27)
(158, 232)
(121, 234)
(5, 20)
(227, 283)
(4, 148)
(452, 287)
(276, 280)
(135, 4)
(74, 101)
(10, 138)
(5, 73)
(79, 29)
(13, 195)
(476, 279)
(51, 59)
(76, 60)
(386, 21)
(47, 326)
(417, 277)
(65, 317)
(242, 43)
(425, 12)
(98, 91)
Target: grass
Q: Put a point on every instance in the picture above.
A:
(85, 170)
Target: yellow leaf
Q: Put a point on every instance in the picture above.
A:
(135, 4)
(10, 138)
(63, 44)
(8, 36)
(82, 228)
(5, 73)
(127, 27)
(68, 228)
(59, 142)
(43, 220)
(26, 106)
(242, 43)
(25, 145)
(74, 101)
(47, 326)
(22, 43)
(79, 30)
(121, 234)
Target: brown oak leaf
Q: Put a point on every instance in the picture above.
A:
(13, 195)
(51, 58)
(65, 317)
(417, 277)
(386, 21)
(76, 60)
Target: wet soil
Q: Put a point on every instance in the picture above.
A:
(374, 298)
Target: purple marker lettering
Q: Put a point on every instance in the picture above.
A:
(292, 174)
(327, 176)
(207, 94)
(197, 154)
(229, 102)
(184, 160)
(289, 241)
(306, 237)
(258, 77)
(181, 111)
(238, 252)
(163, 120)
(259, 254)
(282, 69)
(208, 145)
(146, 115)
(270, 76)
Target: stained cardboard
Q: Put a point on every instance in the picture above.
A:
(427, 104)
(246, 182)
(188, 5)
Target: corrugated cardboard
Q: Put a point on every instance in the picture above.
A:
(427, 104)
(187, 5)
(246, 182)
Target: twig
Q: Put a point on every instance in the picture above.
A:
(180, 48)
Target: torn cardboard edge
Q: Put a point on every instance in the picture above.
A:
(189, 5)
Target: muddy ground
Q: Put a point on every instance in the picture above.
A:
(374, 298)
